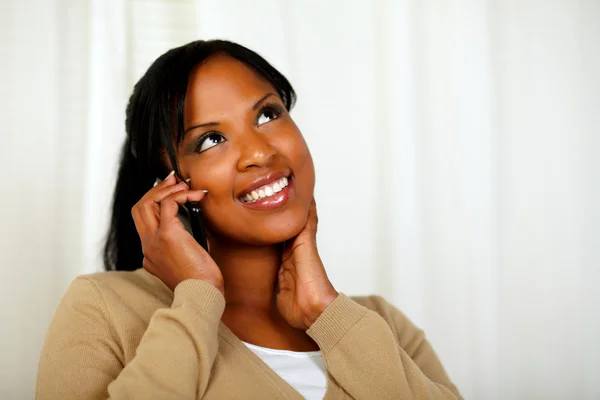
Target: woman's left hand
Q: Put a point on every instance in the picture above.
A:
(304, 288)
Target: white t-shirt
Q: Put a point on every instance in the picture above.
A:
(304, 371)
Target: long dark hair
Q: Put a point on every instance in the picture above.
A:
(154, 123)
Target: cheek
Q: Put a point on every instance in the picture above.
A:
(210, 173)
(293, 147)
(302, 164)
(216, 178)
(216, 174)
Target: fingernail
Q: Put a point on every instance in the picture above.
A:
(205, 191)
(188, 180)
(170, 175)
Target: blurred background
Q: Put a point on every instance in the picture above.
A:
(456, 146)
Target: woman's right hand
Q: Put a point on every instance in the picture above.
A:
(170, 252)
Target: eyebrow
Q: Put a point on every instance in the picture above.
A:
(258, 103)
(207, 124)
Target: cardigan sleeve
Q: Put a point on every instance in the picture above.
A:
(370, 362)
(80, 357)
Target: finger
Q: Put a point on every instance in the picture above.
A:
(140, 226)
(149, 206)
(313, 219)
(168, 180)
(149, 214)
(159, 193)
(146, 212)
(158, 190)
(169, 206)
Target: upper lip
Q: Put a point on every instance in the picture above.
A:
(265, 180)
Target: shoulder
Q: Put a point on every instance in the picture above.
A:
(117, 305)
(381, 306)
(406, 332)
(118, 292)
(131, 282)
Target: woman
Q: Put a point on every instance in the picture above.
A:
(256, 315)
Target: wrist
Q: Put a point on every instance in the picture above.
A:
(318, 306)
(217, 283)
(213, 281)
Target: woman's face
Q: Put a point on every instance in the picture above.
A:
(240, 140)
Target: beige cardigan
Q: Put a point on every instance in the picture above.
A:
(125, 335)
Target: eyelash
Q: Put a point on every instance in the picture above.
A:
(275, 108)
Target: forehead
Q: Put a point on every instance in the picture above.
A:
(222, 84)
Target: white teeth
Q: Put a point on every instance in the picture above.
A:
(265, 191)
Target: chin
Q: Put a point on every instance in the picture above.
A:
(273, 233)
(261, 230)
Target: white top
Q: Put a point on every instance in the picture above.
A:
(304, 371)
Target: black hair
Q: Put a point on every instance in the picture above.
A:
(154, 125)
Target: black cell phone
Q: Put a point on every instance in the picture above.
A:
(191, 217)
(197, 223)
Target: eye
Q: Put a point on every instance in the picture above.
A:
(269, 113)
(209, 140)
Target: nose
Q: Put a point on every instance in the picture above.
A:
(255, 151)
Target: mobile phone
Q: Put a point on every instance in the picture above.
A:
(190, 215)
(197, 223)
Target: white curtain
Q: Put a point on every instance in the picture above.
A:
(455, 146)
(63, 97)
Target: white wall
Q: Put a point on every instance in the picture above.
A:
(455, 147)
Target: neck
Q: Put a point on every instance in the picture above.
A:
(249, 273)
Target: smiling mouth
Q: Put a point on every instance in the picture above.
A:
(265, 191)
